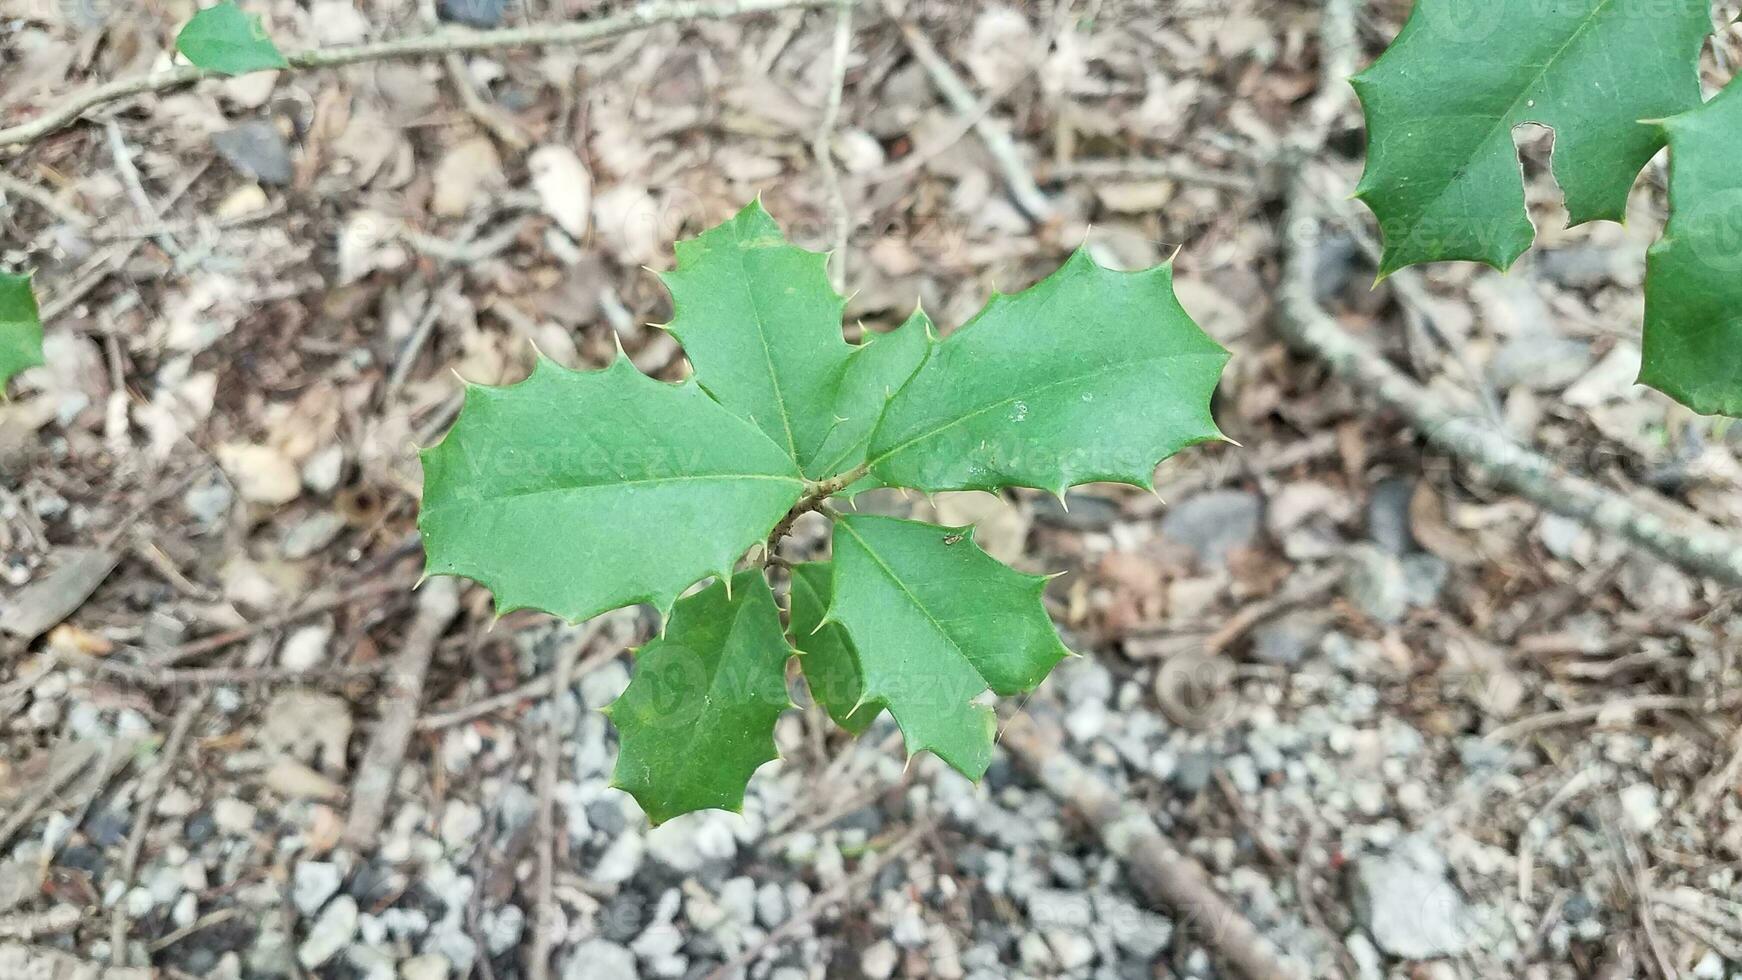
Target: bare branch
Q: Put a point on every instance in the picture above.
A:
(443, 42)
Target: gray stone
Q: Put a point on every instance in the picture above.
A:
(335, 929)
(1424, 577)
(1367, 959)
(1388, 515)
(879, 960)
(688, 842)
(1057, 908)
(462, 823)
(1408, 906)
(1639, 806)
(602, 685)
(502, 928)
(597, 959)
(207, 502)
(312, 883)
(1374, 582)
(1286, 640)
(18, 882)
(1136, 931)
(429, 966)
(738, 901)
(1539, 361)
(233, 816)
(1212, 525)
(771, 907)
(256, 149)
(473, 13)
(1070, 949)
(620, 861)
(311, 535)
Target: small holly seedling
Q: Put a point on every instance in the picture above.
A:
(577, 492)
(1616, 80)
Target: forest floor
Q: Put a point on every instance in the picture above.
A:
(1413, 725)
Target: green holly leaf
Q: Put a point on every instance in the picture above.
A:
(577, 492)
(831, 665)
(697, 719)
(1693, 283)
(762, 327)
(20, 328)
(874, 372)
(1089, 375)
(224, 39)
(937, 622)
(1443, 175)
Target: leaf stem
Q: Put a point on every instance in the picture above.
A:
(816, 496)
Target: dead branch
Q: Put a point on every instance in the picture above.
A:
(1688, 541)
(438, 604)
(1684, 540)
(1164, 875)
(448, 41)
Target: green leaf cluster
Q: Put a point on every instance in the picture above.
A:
(225, 39)
(20, 328)
(1616, 80)
(578, 492)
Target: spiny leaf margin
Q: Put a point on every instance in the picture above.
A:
(1693, 284)
(1090, 375)
(697, 719)
(593, 429)
(937, 623)
(1616, 62)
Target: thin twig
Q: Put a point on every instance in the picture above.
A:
(1178, 171)
(545, 910)
(313, 607)
(823, 149)
(157, 678)
(13, 187)
(438, 604)
(136, 188)
(1592, 712)
(406, 359)
(466, 252)
(440, 42)
(150, 788)
(1017, 177)
(916, 160)
(538, 687)
(500, 124)
(52, 783)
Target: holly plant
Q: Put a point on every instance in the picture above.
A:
(1616, 80)
(577, 492)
